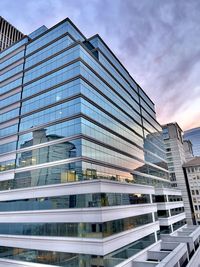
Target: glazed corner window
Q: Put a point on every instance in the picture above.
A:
(91, 173)
(68, 176)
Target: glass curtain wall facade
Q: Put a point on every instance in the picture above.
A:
(81, 153)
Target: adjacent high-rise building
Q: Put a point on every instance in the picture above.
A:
(83, 174)
(172, 135)
(8, 34)
(188, 150)
(192, 173)
(194, 136)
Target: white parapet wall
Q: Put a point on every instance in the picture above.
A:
(195, 260)
(13, 263)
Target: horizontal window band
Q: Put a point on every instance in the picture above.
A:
(79, 59)
(96, 89)
(80, 115)
(53, 55)
(48, 30)
(84, 230)
(74, 201)
(89, 83)
(80, 136)
(98, 49)
(75, 174)
(74, 259)
(89, 52)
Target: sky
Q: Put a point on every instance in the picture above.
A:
(158, 41)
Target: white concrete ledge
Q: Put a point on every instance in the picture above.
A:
(97, 215)
(195, 260)
(10, 175)
(172, 219)
(6, 157)
(72, 188)
(170, 205)
(14, 263)
(79, 245)
(168, 191)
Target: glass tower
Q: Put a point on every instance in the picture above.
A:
(194, 136)
(82, 159)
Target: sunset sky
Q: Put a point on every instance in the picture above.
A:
(157, 41)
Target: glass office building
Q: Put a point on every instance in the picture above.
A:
(194, 136)
(82, 161)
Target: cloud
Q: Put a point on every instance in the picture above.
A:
(158, 42)
(159, 45)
